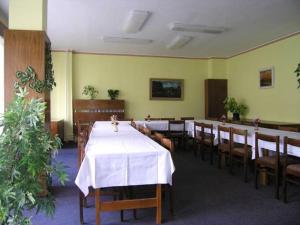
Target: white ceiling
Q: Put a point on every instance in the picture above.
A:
(78, 25)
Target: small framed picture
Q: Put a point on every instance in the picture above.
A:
(266, 77)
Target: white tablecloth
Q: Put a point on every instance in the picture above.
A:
(122, 158)
(251, 136)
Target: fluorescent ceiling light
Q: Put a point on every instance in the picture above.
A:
(179, 41)
(126, 40)
(135, 21)
(196, 28)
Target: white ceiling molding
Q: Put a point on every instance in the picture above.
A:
(135, 21)
(197, 28)
(126, 40)
(179, 41)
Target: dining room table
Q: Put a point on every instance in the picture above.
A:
(123, 157)
(292, 150)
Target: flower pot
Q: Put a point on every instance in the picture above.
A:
(236, 116)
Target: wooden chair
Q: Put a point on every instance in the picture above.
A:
(133, 124)
(285, 128)
(238, 152)
(204, 139)
(147, 131)
(82, 140)
(223, 145)
(157, 137)
(267, 164)
(197, 137)
(168, 144)
(176, 131)
(291, 168)
(208, 140)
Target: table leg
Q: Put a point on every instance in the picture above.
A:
(158, 204)
(97, 204)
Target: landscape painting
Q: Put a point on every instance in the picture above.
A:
(166, 89)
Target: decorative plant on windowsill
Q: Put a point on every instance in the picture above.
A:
(25, 147)
(90, 91)
(237, 109)
(297, 71)
(113, 94)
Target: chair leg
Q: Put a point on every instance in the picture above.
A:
(211, 155)
(255, 176)
(284, 190)
(81, 207)
(245, 170)
(219, 159)
(277, 185)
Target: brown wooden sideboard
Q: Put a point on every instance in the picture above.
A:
(96, 110)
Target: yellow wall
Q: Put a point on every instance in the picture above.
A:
(131, 76)
(281, 103)
(28, 15)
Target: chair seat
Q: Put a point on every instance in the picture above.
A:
(267, 161)
(238, 152)
(293, 169)
(224, 148)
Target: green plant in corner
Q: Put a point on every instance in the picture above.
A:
(26, 151)
(113, 94)
(237, 109)
(297, 71)
(90, 91)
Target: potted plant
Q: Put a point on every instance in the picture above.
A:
(113, 94)
(237, 109)
(90, 91)
(26, 147)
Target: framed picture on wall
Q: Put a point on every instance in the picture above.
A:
(166, 89)
(266, 77)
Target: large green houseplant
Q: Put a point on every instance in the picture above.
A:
(26, 147)
(237, 109)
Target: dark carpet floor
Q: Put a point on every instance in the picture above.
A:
(203, 195)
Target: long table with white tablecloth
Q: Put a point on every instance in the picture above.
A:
(189, 127)
(123, 158)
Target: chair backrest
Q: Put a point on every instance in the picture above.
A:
(133, 124)
(197, 128)
(81, 143)
(171, 118)
(176, 125)
(146, 131)
(187, 118)
(285, 128)
(268, 138)
(204, 133)
(240, 132)
(292, 142)
(168, 144)
(158, 137)
(225, 130)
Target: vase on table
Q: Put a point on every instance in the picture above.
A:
(115, 128)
